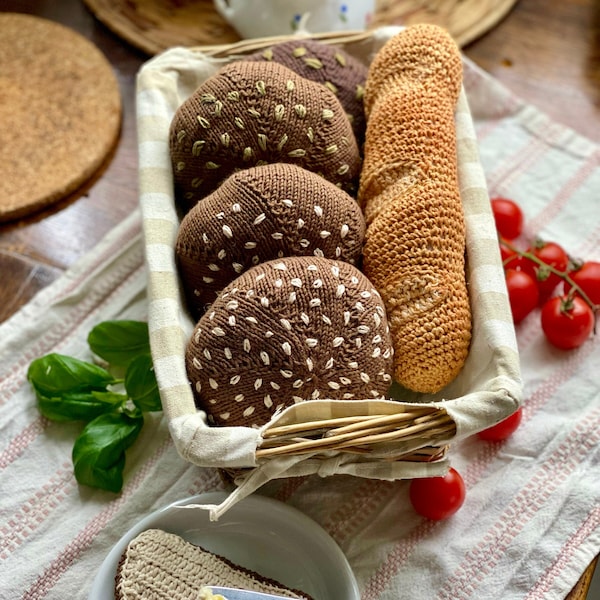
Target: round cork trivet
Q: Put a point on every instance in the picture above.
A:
(60, 109)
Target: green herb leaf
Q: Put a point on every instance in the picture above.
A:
(56, 374)
(99, 451)
(140, 383)
(79, 406)
(119, 342)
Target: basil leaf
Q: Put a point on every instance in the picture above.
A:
(118, 342)
(140, 383)
(99, 451)
(56, 374)
(79, 406)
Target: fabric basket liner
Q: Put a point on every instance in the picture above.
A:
(487, 390)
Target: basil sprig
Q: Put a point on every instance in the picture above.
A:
(70, 389)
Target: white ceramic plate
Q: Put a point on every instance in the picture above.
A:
(259, 533)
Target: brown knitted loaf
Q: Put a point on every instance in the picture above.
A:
(329, 65)
(259, 214)
(415, 241)
(254, 113)
(157, 565)
(286, 331)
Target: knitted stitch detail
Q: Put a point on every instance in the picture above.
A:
(414, 249)
(329, 65)
(255, 113)
(157, 565)
(287, 331)
(259, 214)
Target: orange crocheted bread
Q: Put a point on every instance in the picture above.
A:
(414, 251)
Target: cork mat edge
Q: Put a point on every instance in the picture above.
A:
(152, 26)
(87, 158)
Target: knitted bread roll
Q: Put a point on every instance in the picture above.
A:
(259, 214)
(329, 65)
(415, 240)
(157, 565)
(287, 331)
(254, 113)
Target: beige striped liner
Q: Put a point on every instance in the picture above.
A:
(487, 390)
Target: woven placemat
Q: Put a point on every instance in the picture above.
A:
(155, 25)
(60, 109)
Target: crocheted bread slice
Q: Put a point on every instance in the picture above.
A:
(60, 109)
(157, 565)
(259, 214)
(414, 249)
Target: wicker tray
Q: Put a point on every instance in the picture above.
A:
(155, 25)
(403, 437)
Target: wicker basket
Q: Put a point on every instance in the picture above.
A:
(405, 436)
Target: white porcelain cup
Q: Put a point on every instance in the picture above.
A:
(263, 18)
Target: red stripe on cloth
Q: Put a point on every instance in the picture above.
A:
(521, 161)
(68, 556)
(60, 334)
(557, 468)
(554, 207)
(20, 442)
(351, 515)
(35, 510)
(388, 569)
(565, 558)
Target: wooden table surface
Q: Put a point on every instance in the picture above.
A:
(546, 51)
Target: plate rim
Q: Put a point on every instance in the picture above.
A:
(107, 567)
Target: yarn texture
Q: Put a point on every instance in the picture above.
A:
(414, 249)
(286, 331)
(158, 565)
(254, 113)
(259, 214)
(329, 65)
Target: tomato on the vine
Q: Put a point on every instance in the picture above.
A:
(502, 430)
(508, 217)
(438, 498)
(567, 321)
(551, 254)
(507, 255)
(587, 277)
(523, 294)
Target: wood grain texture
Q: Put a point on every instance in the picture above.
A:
(546, 51)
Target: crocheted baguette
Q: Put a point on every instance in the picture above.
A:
(414, 249)
(158, 565)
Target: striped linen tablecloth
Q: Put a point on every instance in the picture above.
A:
(531, 521)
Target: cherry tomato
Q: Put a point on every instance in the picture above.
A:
(523, 293)
(500, 431)
(567, 322)
(508, 217)
(587, 277)
(438, 498)
(552, 254)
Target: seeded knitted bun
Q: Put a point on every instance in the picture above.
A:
(157, 565)
(329, 65)
(254, 113)
(414, 249)
(286, 331)
(259, 214)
